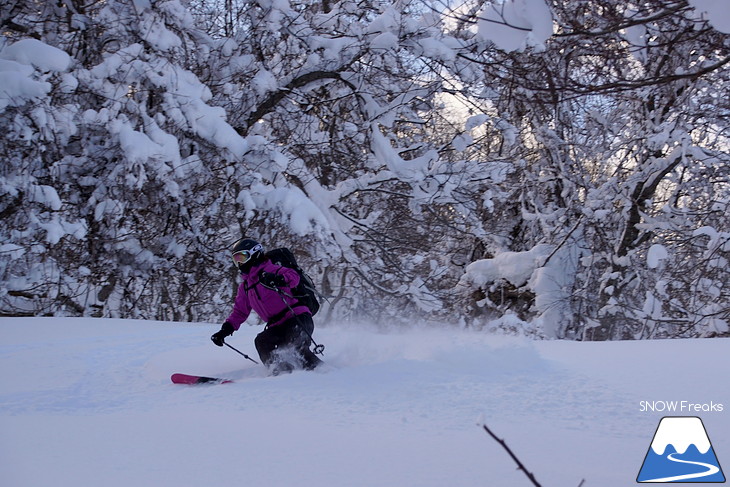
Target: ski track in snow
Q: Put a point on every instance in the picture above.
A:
(92, 399)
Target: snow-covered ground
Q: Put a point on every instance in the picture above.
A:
(89, 402)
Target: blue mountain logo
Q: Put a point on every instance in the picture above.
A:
(681, 452)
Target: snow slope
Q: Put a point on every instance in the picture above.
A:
(89, 402)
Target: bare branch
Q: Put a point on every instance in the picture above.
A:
(520, 466)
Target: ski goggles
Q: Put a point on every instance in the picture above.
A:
(243, 256)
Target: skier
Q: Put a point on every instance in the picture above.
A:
(267, 289)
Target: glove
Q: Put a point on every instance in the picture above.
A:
(219, 338)
(272, 280)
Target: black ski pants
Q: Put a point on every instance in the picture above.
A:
(288, 344)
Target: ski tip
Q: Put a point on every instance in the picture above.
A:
(183, 379)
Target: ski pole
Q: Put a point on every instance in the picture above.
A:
(318, 349)
(240, 352)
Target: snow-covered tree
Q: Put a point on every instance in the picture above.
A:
(111, 161)
(563, 164)
(625, 143)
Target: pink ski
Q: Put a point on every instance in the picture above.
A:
(197, 379)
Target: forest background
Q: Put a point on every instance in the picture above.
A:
(545, 168)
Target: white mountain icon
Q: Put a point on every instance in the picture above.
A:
(681, 432)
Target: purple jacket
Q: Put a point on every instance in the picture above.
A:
(267, 303)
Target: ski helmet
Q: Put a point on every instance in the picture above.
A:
(245, 252)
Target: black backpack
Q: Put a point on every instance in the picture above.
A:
(305, 291)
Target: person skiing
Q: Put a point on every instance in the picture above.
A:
(266, 288)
